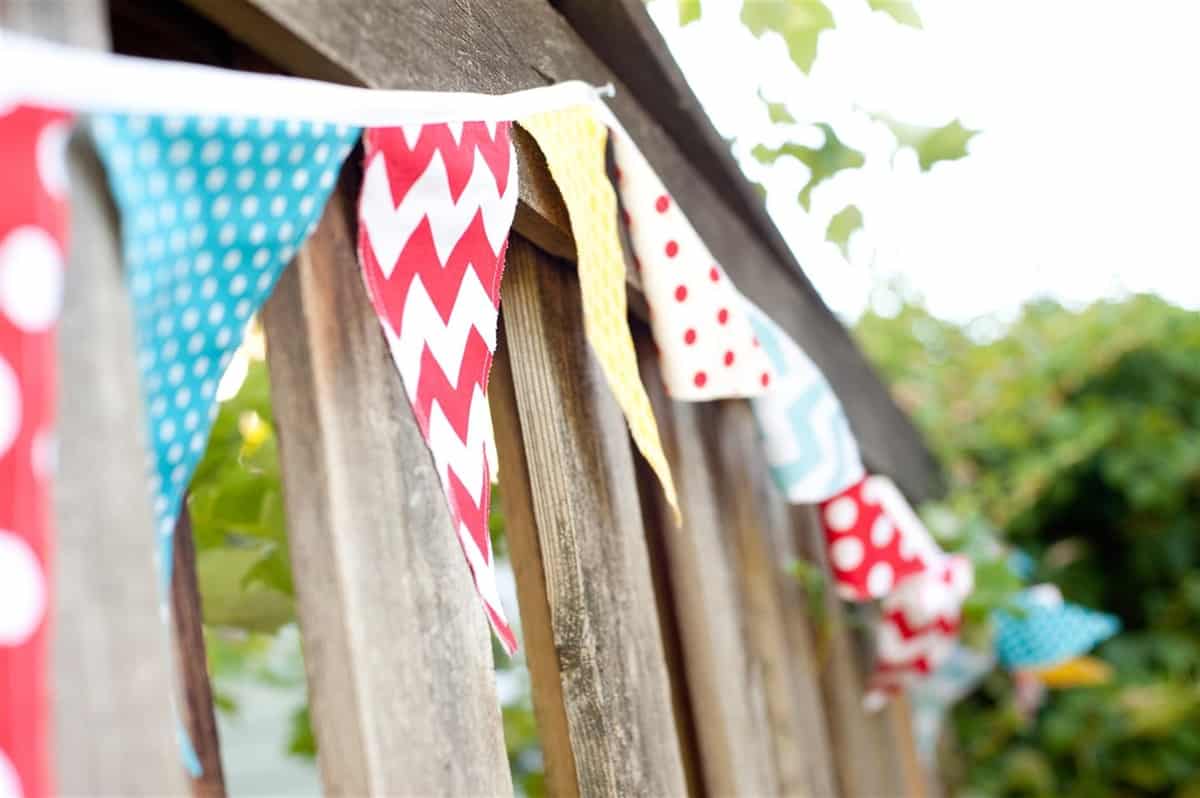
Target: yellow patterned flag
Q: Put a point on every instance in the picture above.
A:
(573, 141)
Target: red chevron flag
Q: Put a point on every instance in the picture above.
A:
(918, 627)
(436, 206)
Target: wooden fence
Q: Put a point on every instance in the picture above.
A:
(664, 660)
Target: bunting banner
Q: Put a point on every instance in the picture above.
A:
(931, 699)
(876, 542)
(1048, 630)
(811, 451)
(918, 627)
(705, 342)
(436, 206)
(573, 141)
(33, 245)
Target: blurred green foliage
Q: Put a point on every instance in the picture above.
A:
(1076, 435)
(801, 23)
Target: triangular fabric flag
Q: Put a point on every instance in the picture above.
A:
(33, 235)
(707, 347)
(918, 627)
(811, 451)
(212, 210)
(436, 206)
(574, 141)
(931, 699)
(875, 540)
(1049, 630)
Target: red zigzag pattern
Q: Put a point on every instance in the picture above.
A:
(436, 206)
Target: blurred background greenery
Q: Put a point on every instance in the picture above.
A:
(1068, 432)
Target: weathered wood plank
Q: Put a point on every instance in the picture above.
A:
(396, 645)
(110, 666)
(525, 553)
(498, 47)
(797, 741)
(188, 618)
(607, 650)
(732, 732)
(856, 737)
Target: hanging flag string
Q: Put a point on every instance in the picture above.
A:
(88, 81)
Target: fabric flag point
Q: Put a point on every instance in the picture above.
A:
(918, 628)
(1049, 630)
(811, 451)
(707, 345)
(33, 246)
(573, 142)
(436, 206)
(875, 541)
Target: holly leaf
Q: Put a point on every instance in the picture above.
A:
(899, 10)
(932, 144)
(799, 22)
(842, 225)
(830, 158)
(689, 11)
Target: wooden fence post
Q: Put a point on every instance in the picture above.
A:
(396, 645)
(605, 648)
(112, 683)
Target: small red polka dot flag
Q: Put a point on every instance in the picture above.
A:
(33, 232)
(706, 343)
(875, 540)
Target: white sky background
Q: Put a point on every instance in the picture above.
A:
(1082, 185)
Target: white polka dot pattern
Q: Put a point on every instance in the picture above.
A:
(208, 223)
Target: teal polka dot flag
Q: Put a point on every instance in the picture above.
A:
(1046, 633)
(212, 210)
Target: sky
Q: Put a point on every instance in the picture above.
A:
(1081, 185)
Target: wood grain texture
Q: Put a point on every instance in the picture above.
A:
(109, 650)
(188, 619)
(727, 700)
(797, 739)
(606, 640)
(525, 554)
(499, 47)
(856, 737)
(396, 645)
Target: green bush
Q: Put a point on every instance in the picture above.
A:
(1076, 435)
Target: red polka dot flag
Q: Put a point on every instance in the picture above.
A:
(706, 343)
(33, 231)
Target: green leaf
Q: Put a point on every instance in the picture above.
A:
(689, 11)
(777, 112)
(899, 10)
(844, 222)
(230, 599)
(932, 144)
(832, 157)
(799, 22)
